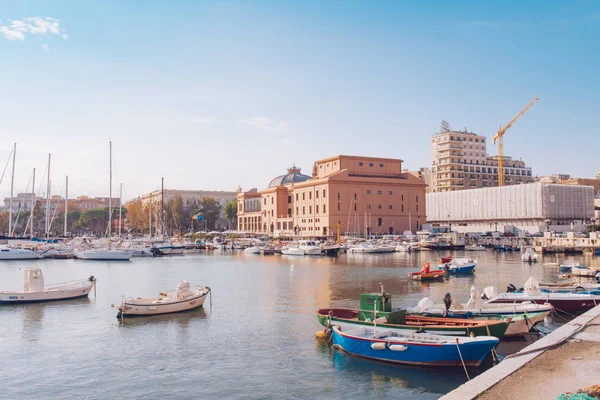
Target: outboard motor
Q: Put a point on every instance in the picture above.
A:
(511, 288)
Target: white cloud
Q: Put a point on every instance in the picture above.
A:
(18, 29)
(46, 47)
(266, 124)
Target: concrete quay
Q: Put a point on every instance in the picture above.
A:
(566, 360)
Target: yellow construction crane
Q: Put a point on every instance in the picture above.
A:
(498, 136)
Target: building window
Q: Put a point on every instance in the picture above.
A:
(289, 199)
(296, 210)
(303, 210)
(324, 193)
(338, 206)
(380, 165)
(296, 196)
(368, 191)
(379, 221)
(265, 199)
(289, 211)
(390, 206)
(368, 206)
(309, 195)
(310, 209)
(370, 164)
(338, 196)
(303, 196)
(390, 192)
(379, 192)
(360, 164)
(417, 198)
(324, 209)
(417, 208)
(317, 209)
(379, 206)
(271, 200)
(402, 197)
(354, 196)
(402, 209)
(354, 206)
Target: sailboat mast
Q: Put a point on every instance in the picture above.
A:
(162, 204)
(48, 199)
(120, 207)
(66, 203)
(12, 185)
(150, 217)
(110, 196)
(32, 206)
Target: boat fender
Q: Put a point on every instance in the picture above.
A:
(379, 346)
(398, 347)
(320, 334)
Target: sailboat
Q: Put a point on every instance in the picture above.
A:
(107, 254)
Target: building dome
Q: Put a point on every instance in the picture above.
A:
(293, 176)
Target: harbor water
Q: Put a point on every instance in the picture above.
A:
(255, 341)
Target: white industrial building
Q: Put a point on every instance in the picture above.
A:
(534, 207)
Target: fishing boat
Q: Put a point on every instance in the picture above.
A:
(184, 298)
(529, 256)
(35, 291)
(413, 348)
(10, 253)
(459, 266)
(475, 247)
(566, 302)
(445, 260)
(523, 316)
(425, 274)
(397, 319)
(580, 270)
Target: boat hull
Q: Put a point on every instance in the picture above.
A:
(430, 276)
(18, 254)
(115, 255)
(429, 354)
(132, 309)
(566, 305)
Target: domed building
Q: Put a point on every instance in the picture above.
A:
(293, 176)
(344, 194)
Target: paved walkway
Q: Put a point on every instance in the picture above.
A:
(546, 368)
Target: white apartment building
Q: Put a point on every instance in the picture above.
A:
(459, 160)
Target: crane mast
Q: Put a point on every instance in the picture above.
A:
(499, 138)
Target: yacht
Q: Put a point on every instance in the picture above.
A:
(10, 253)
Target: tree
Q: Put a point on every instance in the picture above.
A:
(211, 210)
(4, 223)
(137, 216)
(231, 212)
(38, 217)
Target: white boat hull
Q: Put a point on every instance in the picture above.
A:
(106, 255)
(521, 326)
(18, 254)
(292, 252)
(148, 307)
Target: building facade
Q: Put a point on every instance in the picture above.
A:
(23, 201)
(459, 160)
(534, 207)
(357, 195)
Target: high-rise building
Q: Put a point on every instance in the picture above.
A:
(459, 160)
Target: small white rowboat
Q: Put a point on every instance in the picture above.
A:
(34, 290)
(184, 298)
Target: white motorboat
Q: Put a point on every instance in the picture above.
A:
(304, 248)
(364, 248)
(252, 250)
(529, 255)
(104, 254)
(184, 298)
(10, 253)
(404, 248)
(35, 291)
(580, 270)
(474, 247)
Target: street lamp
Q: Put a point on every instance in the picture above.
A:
(449, 224)
(548, 221)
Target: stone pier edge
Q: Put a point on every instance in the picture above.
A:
(491, 377)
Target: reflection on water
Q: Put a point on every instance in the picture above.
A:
(260, 330)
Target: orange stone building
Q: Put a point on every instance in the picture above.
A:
(360, 195)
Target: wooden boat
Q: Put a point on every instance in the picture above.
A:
(413, 348)
(427, 276)
(184, 298)
(445, 260)
(413, 323)
(35, 291)
(581, 270)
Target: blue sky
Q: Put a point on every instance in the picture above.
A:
(213, 95)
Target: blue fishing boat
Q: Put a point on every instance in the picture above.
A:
(413, 348)
(459, 266)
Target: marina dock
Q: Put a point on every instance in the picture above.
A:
(540, 369)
